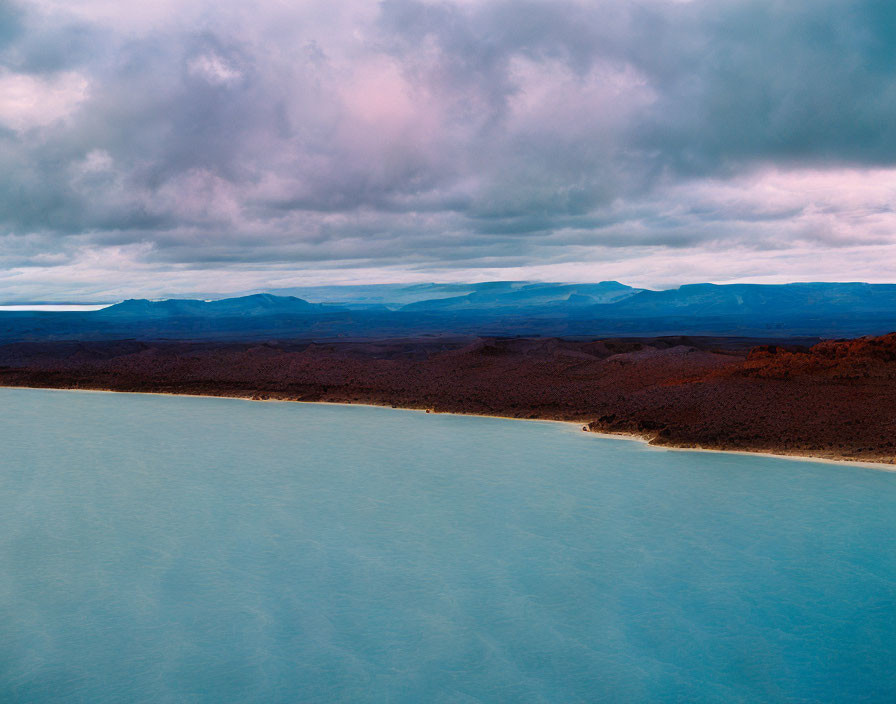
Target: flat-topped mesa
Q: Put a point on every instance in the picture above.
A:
(254, 305)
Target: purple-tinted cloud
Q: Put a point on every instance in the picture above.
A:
(143, 148)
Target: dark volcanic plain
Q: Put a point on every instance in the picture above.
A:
(834, 399)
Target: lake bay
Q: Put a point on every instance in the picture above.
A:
(175, 549)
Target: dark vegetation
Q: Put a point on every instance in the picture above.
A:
(833, 399)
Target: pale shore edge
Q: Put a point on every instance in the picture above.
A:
(880, 466)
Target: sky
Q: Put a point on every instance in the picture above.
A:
(222, 146)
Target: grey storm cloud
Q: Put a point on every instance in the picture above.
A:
(442, 134)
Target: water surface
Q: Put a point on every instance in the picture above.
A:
(54, 307)
(165, 549)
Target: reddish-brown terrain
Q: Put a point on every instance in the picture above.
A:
(834, 399)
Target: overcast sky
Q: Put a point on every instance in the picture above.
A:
(193, 145)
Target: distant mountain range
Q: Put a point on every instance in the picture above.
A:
(503, 308)
(508, 296)
(258, 305)
(458, 296)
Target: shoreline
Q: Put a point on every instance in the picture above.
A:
(886, 466)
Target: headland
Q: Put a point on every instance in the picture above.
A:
(830, 400)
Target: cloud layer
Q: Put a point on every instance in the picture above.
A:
(224, 145)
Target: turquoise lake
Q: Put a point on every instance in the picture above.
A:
(166, 549)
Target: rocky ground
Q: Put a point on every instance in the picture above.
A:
(834, 399)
